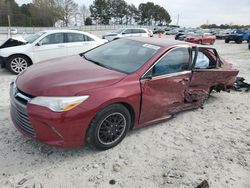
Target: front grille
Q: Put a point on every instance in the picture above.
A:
(19, 110)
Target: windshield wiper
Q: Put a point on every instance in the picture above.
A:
(95, 62)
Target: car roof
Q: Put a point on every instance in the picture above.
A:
(166, 43)
(63, 31)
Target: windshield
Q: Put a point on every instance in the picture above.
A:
(124, 55)
(32, 38)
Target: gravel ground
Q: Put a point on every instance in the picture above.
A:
(210, 144)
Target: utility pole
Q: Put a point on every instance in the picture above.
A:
(178, 18)
(9, 24)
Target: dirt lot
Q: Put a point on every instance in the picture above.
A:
(210, 144)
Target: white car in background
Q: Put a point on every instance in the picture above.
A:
(16, 54)
(127, 32)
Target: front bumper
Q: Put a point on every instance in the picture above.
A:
(66, 129)
(2, 62)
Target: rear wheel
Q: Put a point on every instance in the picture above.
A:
(227, 40)
(238, 41)
(109, 127)
(249, 45)
(212, 42)
(17, 63)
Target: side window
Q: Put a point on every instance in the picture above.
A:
(77, 37)
(176, 60)
(128, 31)
(136, 30)
(203, 61)
(142, 31)
(52, 39)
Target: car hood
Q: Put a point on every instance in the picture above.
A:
(65, 77)
(15, 41)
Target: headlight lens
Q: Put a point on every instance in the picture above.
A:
(59, 104)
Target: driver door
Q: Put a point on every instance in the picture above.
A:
(164, 85)
(50, 47)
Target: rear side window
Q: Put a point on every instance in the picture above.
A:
(142, 31)
(77, 37)
(176, 60)
(136, 30)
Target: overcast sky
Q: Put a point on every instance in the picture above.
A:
(196, 12)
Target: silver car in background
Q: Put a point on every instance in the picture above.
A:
(127, 32)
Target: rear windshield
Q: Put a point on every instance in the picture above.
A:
(123, 55)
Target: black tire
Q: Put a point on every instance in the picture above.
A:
(227, 40)
(17, 63)
(109, 127)
(212, 42)
(249, 45)
(238, 41)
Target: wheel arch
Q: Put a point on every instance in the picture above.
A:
(21, 54)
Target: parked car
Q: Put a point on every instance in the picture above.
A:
(16, 54)
(238, 36)
(128, 83)
(13, 31)
(127, 32)
(197, 38)
(180, 36)
(222, 35)
(158, 30)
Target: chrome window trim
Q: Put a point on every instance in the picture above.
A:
(171, 74)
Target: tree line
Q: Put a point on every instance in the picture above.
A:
(47, 13)
(224, 26)
(119, 12)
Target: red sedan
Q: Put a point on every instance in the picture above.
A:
(99, 95)
(205, 38)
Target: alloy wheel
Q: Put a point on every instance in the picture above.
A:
(18, 64)
(111, 128)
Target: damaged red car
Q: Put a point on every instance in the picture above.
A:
(98, 96)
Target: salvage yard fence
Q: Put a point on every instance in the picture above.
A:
(30, 30)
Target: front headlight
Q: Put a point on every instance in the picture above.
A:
(59, 104)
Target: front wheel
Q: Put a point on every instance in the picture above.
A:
(17, 64)
(109, 127)
(227, 40)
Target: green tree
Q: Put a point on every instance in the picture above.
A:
(88, 21)
(45, 13)
(132, 13)
(118, 10)
(101, 11)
